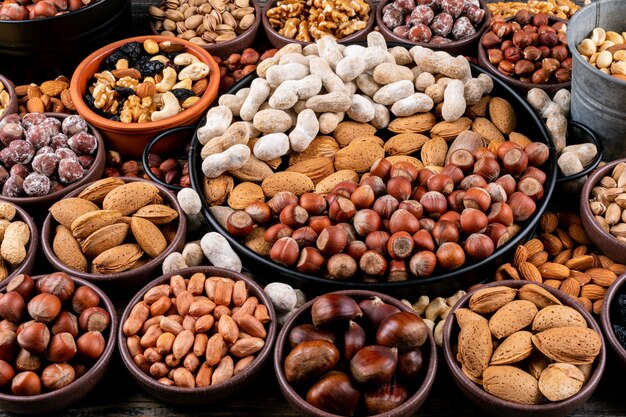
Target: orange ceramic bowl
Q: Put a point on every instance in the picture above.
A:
(130, 138)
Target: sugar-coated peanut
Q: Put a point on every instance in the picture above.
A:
(390, 93)
(272, 121)
(259, 91)
(453, 101)
(415, 103)
(361, 110)
(218, 251)
(237, 133)
(218, 119)
(273, 145)
(307, 128)
(231, 159)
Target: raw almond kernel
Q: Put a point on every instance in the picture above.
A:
(560, 381)
(475, 347)
(539, 258)
(605, 261)
(182, 343)
(529, 272)
(554, 283)
(35, 105)
(246, 347)
(512, 384)
(418, 123)
(563, 257)
(251, 325)
(573, 345)
(520, 256)
(465, 316)
(118, 259)
(533, 246)
(148, 236)
(228, 328)
(295, 182)
(130, 197)
(581, 277)
(585, 303)
(33, 91)
(347, 131)
(552, 244)
(580, 263)
(580, 251)
(549, 222)
(557, 316)
(506, 271)
(53, 87)
(65, 211)
(617, 269)
(512, 317)
(567, 241)
(551, 270)
(99, 189)
(571, 287)
(67, 249)
(597, 306)
(488, 300)
(567, 218)
(578, 234)
(601, 276)
(215, 350)
(514, 348)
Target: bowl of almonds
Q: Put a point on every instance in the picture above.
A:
(114, 231)
(219, 331)
(8, 99)
(522, 348)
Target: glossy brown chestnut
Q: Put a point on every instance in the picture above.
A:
(386, 398)
(309, 360)
(308, 332)
(403, 330)
(329, 308)
(410, 364)
(354, 339)
(376, 310)
(374, 365)
(334, 394)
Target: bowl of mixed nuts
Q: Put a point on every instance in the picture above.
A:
(137, 87)
(8, 99)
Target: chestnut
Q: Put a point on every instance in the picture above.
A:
(334, 394)
(310, 261)
(386, 398)
(307, 332)
(329, 308)
(376, 310)
(354, 340)
(374, 365)
(309, 360)
(402, 330)
(450, 255)
(423, 264)
(410, 364)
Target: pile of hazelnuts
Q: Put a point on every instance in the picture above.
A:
(401, 222)
(51, 333)
(529, 48)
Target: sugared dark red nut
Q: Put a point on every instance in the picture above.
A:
(419, 33)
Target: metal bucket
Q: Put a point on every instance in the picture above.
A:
(598, 98)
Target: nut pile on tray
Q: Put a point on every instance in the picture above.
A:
(5, 99)
(606, 51)
(25, 10)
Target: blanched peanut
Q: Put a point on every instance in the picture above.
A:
(306, 130)
(415, 103)
(231, 159)
(271, 146)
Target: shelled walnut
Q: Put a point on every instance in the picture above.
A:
(564, 9)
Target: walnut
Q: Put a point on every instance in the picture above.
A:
(106, 78)
(303, 32)
(137, 110)
(103, 95)
(290, 28)
(348, 28)
(127, 82)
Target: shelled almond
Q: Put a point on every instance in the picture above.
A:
(49, 96)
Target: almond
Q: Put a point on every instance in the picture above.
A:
(468, 140)
(512, 317)
(347, 131)
(405, 143)
(581, 277)
(601, 276)
(479, 109)
(157, 213)
(560, 381)
(520, 139)
(33, 91)
(554, 283)
(216, 190)
(514, 348)
(563, 257)
(325, 186)
(502, 115)
(66, 210)
(66, 99)
(573, 345)
(295, 182)
(534, 246)
(68, 250)
(104, 238)
(557, 316)
(448, 131)
(35, 105)
(487, 130)
(539, 258)
(418, 123)
(580, 263)
(96, 191)
(537, 363)
(405, 158)
(53, 87)
(316, 168)
(253, 170)
(434, 152)
(87, 223)
(592, 292)
(118, 259)
(358, 156)
(529, 272)
(552, 244)
(520, 256)
(512, 384)
(578, 234)
(148, 236)
(551, 270)
(585, 303)
(465, 316)
(570, 287)
(244, 194)
(321, 146)
(488, 300)
(475, 347)
(130, 197)
(146, 89)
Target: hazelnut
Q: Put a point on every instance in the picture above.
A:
(490, 40)
(423, 175)
(450, 255)
(373, 263)
(559, 52)
(523, 17)
(403, 220)
(344, 188)
(27, 361)
(488, 168)
(332, 239)
(522, 206)
(512, 54)
(501, 29)
(397, 271)
(473, 221)
(341, 210)
(44, 307)
(385, 206)
(454, 172)
(91, 345)
(478, 246)
(423, 240)
(507, 182)
(313, 203)
(500, 213)
(400, 245)
(23, 284)
(455, 200)
(515, 161)
(376, 184)
(418, 193)
(94, 318)
(366, 221)
(381, 168)
(363, 197)
(441, 183)
(239, 224)
(549, 39)
(536, 173)
(531, 187)
(285, 251)
(521, 39)
(310, 261)
(413, 207)
(427, 224)
(495, 56)
(62, 348)
(129, 168)
(341, 267)
(540, 19)
(540, 76)
(463, 159)
(377, 241)
(434, 203)
(496, 192)
(8, 345)
(6, 373)
(293, 216)
(524, 67)
(445, 231)
(305, 236)
(506, 67)
(399, 187)
(563, 75)
(57, 376)
(277, 231)
(532, 53)
(505, 147)
(537, 152)
(403, 169)
(423, 264)
(84, 297)
(281, 200)
(34, 337)
(356, 249)
(550, 65)
(451, 216)
(26, 383)
(260, 212)
(506, 44)
(473, 180)
(477, 198)
(319, 223)
(12, 306)
(65, 322)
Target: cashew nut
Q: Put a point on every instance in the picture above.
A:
(232, 158)
(430, 324)
(438, 333)
(185, 59)
(170, 107)
(186, 83)
(168, 81)
(420, 305)
(195, 71)
(451, 301)
(161, 58)
(435, 308)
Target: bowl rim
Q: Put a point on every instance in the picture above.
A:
(55, 17)
(390, 36)
(593, 139)
(100, 365)
(181, 231)
(10, 88)
(77, 91)
(237, 380)
(477, 391)
(33, 245)
(585, 210)
(196, 183)
(483, 61)
(605, 317)
(96, 166)
(415, 400)
(271, 32)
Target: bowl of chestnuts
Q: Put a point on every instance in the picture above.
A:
(528, 51)
(57, 338)
(355, 353)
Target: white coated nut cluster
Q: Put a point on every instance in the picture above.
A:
(285, 299)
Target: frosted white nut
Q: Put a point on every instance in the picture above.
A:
(217, 121)
(299, 106)
(232, 158)
(381, 116)
(367, 85)
(290, 48)
(192, 254)
(415, 103)
(278, 74)
(453, 101)
(387, 73)
(168, 81)
(307, 128)
(569, 163)
(311, 49)
(441, 63)
(271, 121)
(401, 55)
(475, 88)
(195, 71)
(293, 57)
(393, 92)
(354, 50)
(361, 110)
(171, 107)
(237, 134)
(234, 102)
(557, 126)
(189, 201)
(283, 296)
(331, 102)
(331, 81)
(271, 146)
(264, 65)
(174, 262)
(538, 99)
(288, 93)
(424, 80)
(351, 67)
(329, 51)
(376, 40)
(586, 152)
(219, 253)
(259, 92)
(351, 87)
(563, 98)
(330, 121)
(301, 296)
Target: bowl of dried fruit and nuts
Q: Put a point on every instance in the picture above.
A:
(114, 231)
(219, 332)
(299, 21)
(137, 87)
(8, 99)
(613, 319)
(450, 25)
(19, 243)
(520, 348)
(58, 338)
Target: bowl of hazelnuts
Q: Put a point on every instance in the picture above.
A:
(528, 51)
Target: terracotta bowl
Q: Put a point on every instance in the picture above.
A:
(520, 86)
(278, 41)
(303, 315)
(241, 42)
(210, 394)
(610, 246)
(498, 407)
(132, 277)
(610, 316)
(35, 205)
(130, 138)
(27, 265)
(12, 107)
(74, 392)
(465, 46)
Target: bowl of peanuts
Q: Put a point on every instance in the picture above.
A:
(8, 99)
(212, 342)
(295, 21)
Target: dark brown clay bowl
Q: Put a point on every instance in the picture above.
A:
(241, 42)
(132, 277)
(10, 88)
(610, 315)
(609, 245)
(465, 46)
(74, 392)
(520, 86)
(498, 407)
(40, 204)
(278, 41)
(210, 394)
(303, 315)
(26, 267)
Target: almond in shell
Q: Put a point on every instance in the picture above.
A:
(488, 300)
(326, 185)
(104, 238)
(520, 139)
(99, 189)
(253, 170)
(512, 384)
(557, 316)
(148, 236)
(475, 348)
(68, 250)
(321, 146)
(514, 348)
(479, 109)
(538, 296)
(89, 222)
(130, 197)
(316, 168)
(65, 211)
(434, 152)
(487, 130)
(536, 363)
(450, 130)
(157, 213)
(118, 259)
(216, 190)
(358, 156)
(405, 143)
(512, 317)
(417, 123)
(560, 381)
(405, 158)
(502, 115)
(465, 316)
(295, 182)
(570, 344)
(347, 131)
(244, 194)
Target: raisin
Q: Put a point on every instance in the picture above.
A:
(621, 302)
(111, 60)
(124, 92)
(620, 333)
(182, 94)
(134, 50)
(150, 68)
